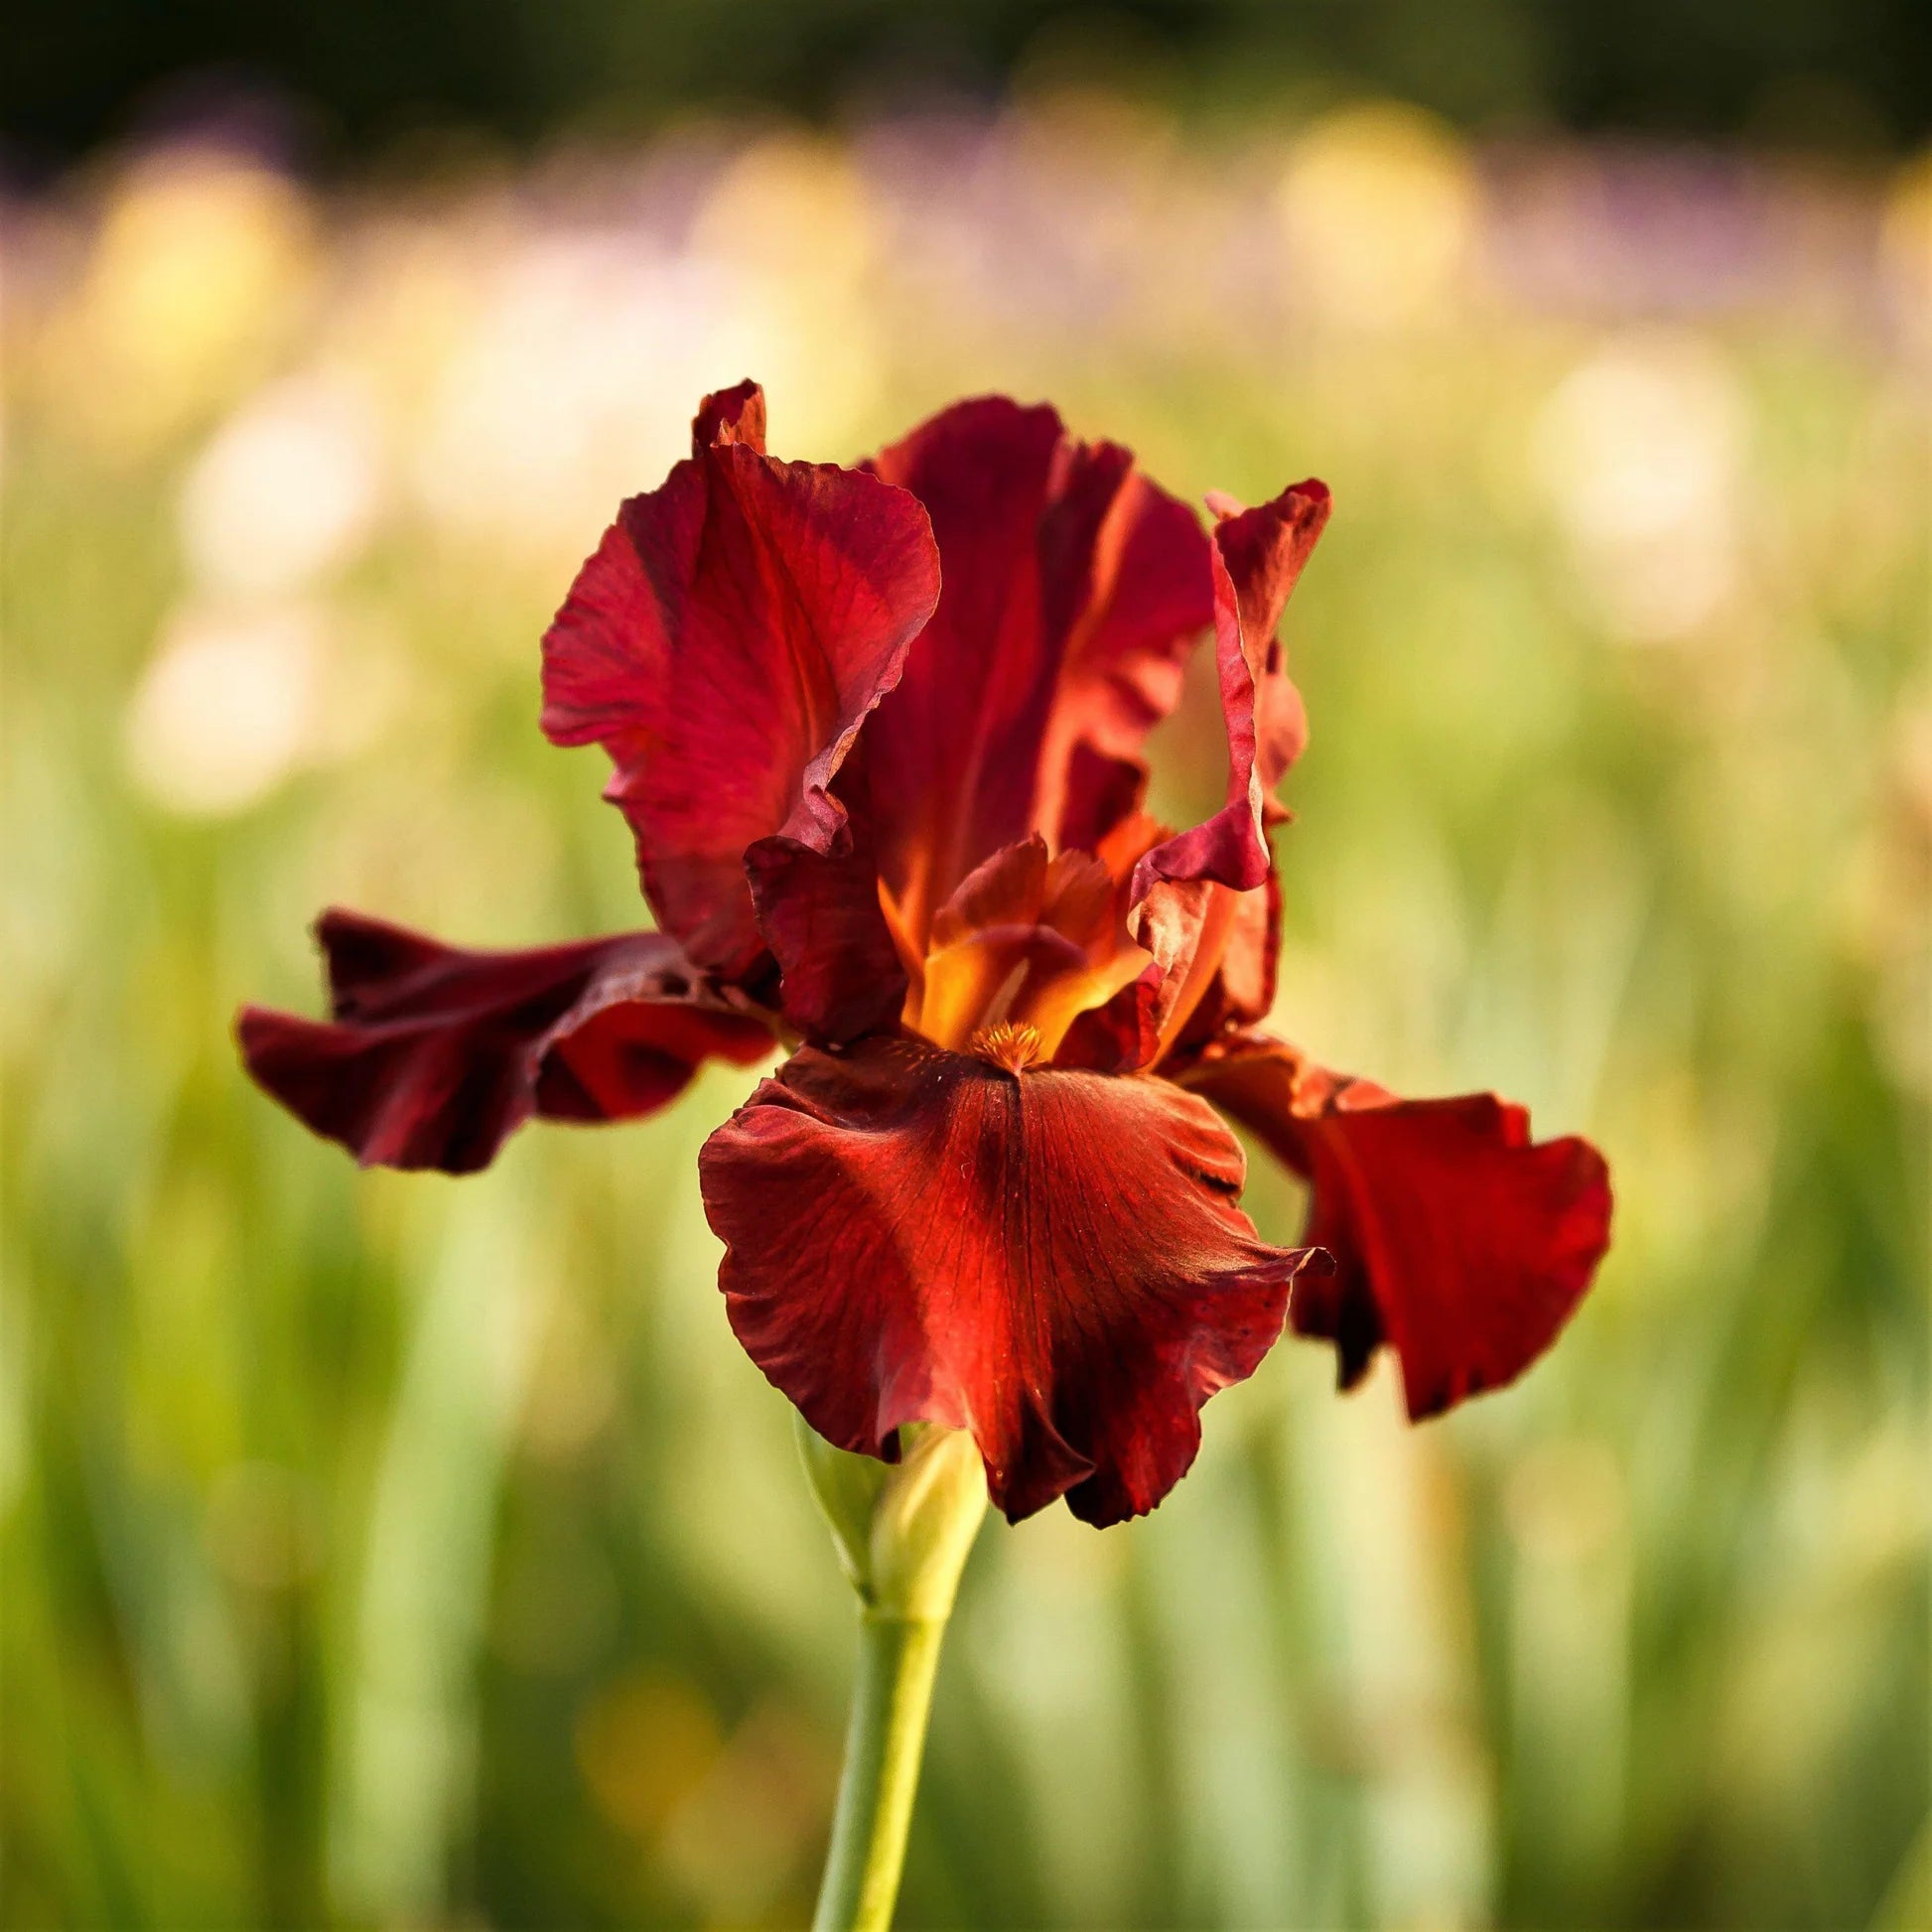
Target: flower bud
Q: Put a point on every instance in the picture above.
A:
(902, 1529)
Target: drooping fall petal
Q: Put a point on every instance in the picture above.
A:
(1258, 555)
(1051, 1259)
(1457, 1240)
(434, 1054)
(1073, 590)
(724, 645)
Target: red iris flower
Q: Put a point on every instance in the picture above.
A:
(879, 736)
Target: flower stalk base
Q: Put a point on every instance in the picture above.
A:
(902, 1531)
(884, 1742)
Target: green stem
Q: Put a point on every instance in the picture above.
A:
(898, 1657)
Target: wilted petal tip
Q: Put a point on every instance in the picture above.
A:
(733, 415)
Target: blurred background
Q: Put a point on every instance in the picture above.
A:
(384, 1552)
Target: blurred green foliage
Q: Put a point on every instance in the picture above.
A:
(384, 1551)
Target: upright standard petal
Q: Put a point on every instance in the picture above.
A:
(1258, 556)
(725, 643)
(1457, 1240)
(1073, 590)
(1051, 1259)
(435, 1054)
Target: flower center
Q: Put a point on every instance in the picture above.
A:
(1023, 946)
(1012, 1044)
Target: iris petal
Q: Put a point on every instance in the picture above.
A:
(1457, 1240)
(1051, 1259)
(1258, 556)
(1074, 589)
(724, 645)
(1214, 953)
(435, 1054)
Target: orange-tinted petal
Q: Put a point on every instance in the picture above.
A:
(1054, 1260)
(1214, 953)
(1024, 939)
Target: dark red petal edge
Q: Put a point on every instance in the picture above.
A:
(724, 645)
(1457, 1240)
(1054, 1260)
(733, 415)
(435, 1054)
(1258, 555)
(820, 915)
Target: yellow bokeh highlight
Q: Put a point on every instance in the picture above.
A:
(199, 264)
(791, 222)
(1378, 206)
(796, 204)
(1907, 244)
(641, 1743)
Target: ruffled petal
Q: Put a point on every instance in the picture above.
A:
(1258, 555)
(1457, 1240)
(724, 645)
(435, 1054)
(1051, 1259)
(1073, 590)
